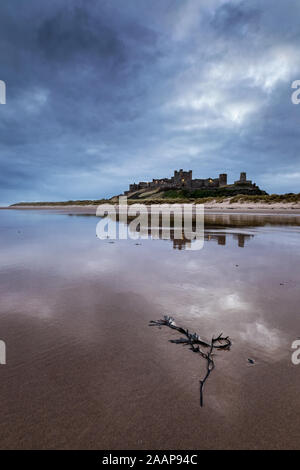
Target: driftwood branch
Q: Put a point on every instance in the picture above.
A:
(197, 345)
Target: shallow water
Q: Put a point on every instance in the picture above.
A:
(84, 370)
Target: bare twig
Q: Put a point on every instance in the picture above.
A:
(195, 343)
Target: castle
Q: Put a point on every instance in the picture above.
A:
(184, 180)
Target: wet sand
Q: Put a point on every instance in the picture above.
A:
(84, 369)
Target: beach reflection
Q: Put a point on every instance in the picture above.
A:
(74, 313)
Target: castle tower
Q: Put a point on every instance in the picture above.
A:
(183, 178)
(243, 177)
(223, 179)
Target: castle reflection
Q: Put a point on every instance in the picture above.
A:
(220, 239)
(180, 242)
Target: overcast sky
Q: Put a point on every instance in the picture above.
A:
(101, 93)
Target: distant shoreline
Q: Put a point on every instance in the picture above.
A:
(224, 207)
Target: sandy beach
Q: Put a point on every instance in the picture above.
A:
(84, 369)
(263, 208)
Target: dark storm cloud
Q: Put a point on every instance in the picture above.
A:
(100, 93)
(77, 35)
(236, 19)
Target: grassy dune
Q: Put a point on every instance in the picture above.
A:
(168, 197)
